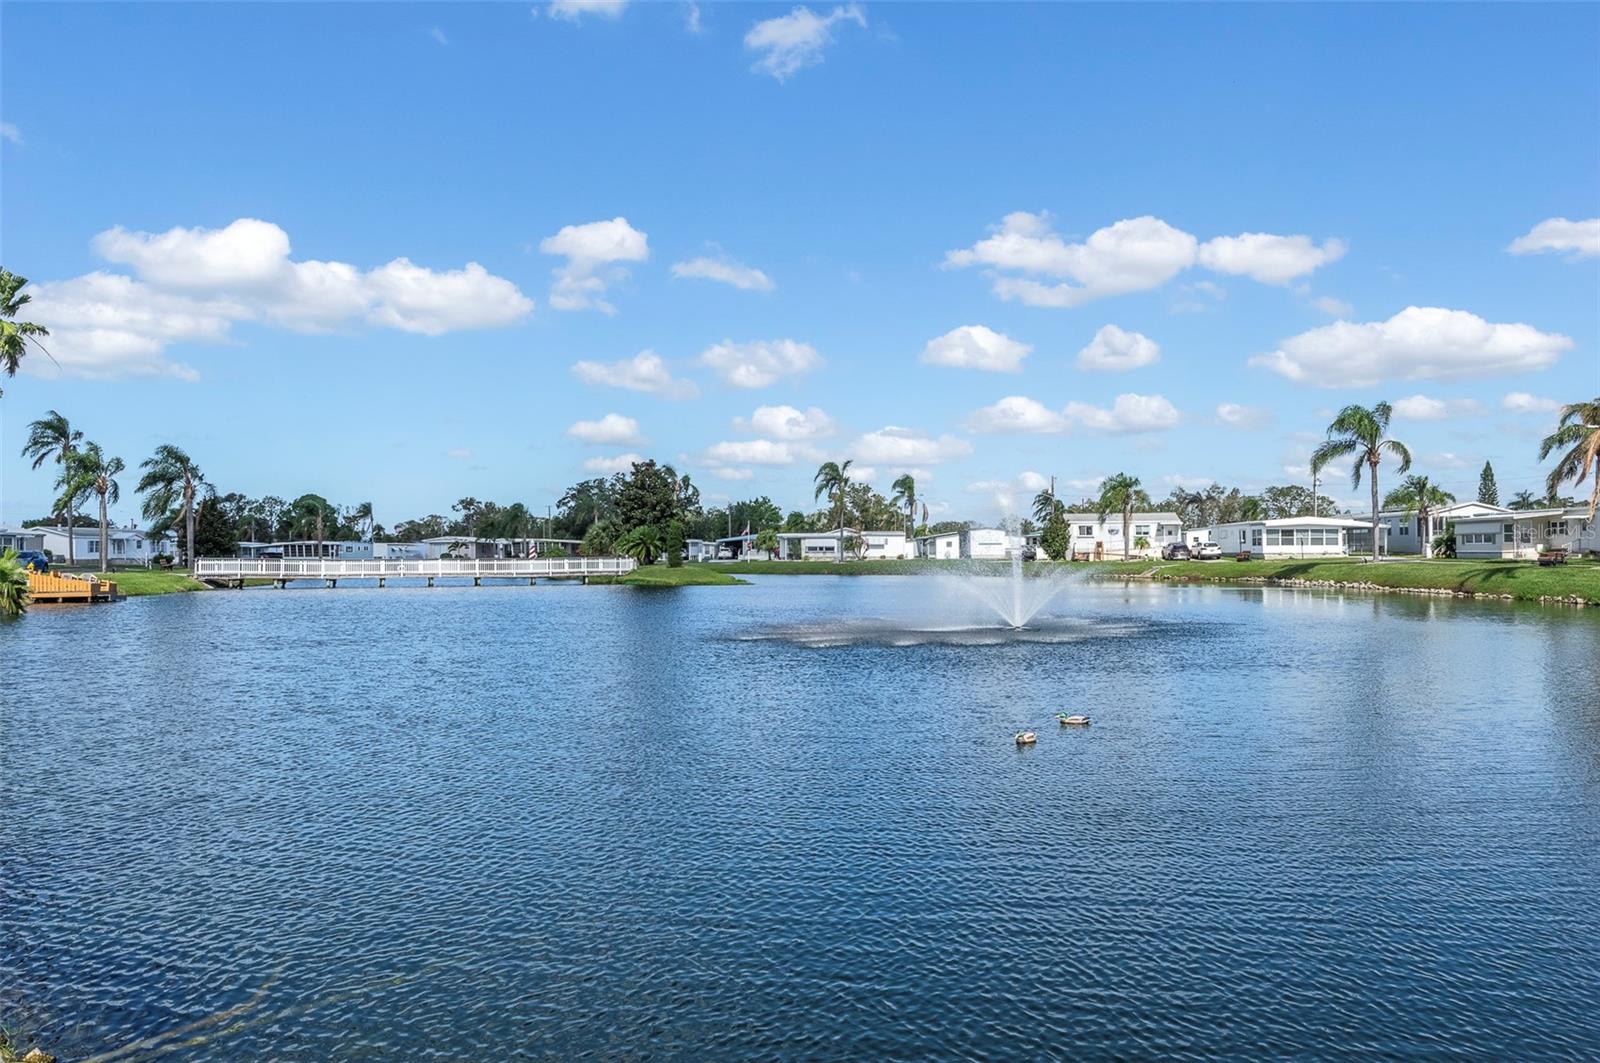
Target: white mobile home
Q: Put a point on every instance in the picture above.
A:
(988, 544)
(1287, 537)
(1408, 533)
(825, 546)
(20, 539)
(945, 546)
(1094, 537)
(124, 546)
(1525, 533)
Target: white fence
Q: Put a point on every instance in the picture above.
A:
(231, 568)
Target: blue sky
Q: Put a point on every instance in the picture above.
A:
(250, 229)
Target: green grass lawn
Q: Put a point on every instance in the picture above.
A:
(833, 568)
(683, 576)
(1521, 579)
(137, 582)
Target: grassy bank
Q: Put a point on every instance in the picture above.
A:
(139, 582)
(829, 568)
(683, 576)
(1520, 580)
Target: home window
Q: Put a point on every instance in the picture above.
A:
(1405, 529)
(1086, 529)
(1255, 537)
(1141, 529)
(1509, 529)
(1556, 527)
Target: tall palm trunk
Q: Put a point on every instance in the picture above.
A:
(1127, 529)
(188, 523)
(1425, 529)
(105, 536)
(1372, 464)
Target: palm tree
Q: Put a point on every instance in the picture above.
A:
(643, 544)
(13, 586)
(1578, 429)
(360, 518)
(1362, 432)
(171, 484)
(1124, 493)
(905, 494)
(16, 335)
(833, 480)
(52, 438)
(90, 472)
(1523, 500)
(1419, 495)
(1046, 506)
(309, 517)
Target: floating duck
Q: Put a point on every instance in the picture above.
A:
(1072, 721)
(1026, 738)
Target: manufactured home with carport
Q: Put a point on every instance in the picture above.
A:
(1286, 537)
(1524, 534)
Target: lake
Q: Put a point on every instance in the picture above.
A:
(784, 821)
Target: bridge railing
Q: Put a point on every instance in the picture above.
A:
(396, 568)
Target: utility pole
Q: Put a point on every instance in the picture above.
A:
(1314, 499)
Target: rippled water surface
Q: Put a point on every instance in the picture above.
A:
(789, 821)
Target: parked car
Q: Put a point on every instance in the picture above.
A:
(33, 559)
(1029, 554)
(1175, 552)
(724, 554)
(1207, 552)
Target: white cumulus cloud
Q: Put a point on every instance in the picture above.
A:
(792, 42)
(1017, 414)
(1267, 258)
(1418, 343)
(645, 371)
(786, 422)
(976, 347)
(1112, 349)
(576, 10)
(759, 363)
(1579, 239)
(1333, 306)
(726, 271)
(899, 448)
(10, 132)
(751, 452)
(1234, 415)
(1135, 254)
(613, 463)
(1127, 413)
(593, 252)
(1424, 408)
(611, 430)
(194, 284)
(1523, 402)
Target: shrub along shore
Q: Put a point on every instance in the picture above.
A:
(1575, 583)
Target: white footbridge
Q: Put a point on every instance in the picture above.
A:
(230, 571)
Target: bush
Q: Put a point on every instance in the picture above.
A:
(1056, 538)
(675, 544)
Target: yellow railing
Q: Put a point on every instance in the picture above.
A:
(55, 586)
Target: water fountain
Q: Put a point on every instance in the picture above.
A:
(1015, 597)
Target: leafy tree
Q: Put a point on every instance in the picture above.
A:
(214, 534)
(584, 503)
(1578, 429)
(648, 496)
(51, 438)
(172, 485)
(90, 473)
(1056, 539)
(1123, 493)
(13, 585)
(1488, 490)
(796, 522)
(359, 518)
(905, 494)
(757, 513)
(1294, 500)
(946, 526)
(643, 544)
(675, 544)
(1364, 433)
(433, 526)
(853, 545)
(16, 336)
(767, 540)
(1419, 495)
(600, 539)
(310, 516)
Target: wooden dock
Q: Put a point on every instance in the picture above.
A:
(234, 572)
(56, 587)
